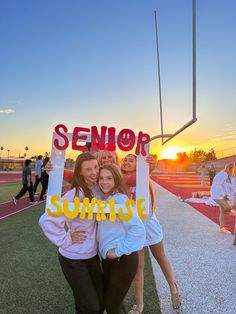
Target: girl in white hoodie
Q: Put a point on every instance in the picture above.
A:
(118, 241)
(78, 254)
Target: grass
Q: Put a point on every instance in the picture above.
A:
(30, 275)
(7, 190)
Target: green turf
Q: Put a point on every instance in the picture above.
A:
(7, 190)
(30, 275)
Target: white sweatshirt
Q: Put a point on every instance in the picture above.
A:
(219, 186)
(124, 237)
(54, 230)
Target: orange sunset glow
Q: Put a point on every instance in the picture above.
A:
(170, 152)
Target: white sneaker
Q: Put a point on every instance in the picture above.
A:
(224, 230)
(14, 200)
(34, 202)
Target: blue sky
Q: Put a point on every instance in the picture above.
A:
(86, 63)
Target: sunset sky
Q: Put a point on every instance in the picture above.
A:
(84, 63)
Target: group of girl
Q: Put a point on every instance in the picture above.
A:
(100, 260)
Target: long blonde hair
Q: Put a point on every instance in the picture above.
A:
(151, 189)
(115, 159)
(227, 168)
(234, 170)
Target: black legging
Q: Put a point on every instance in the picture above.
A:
(118, 276)
(36, 183)
(86, 280)
(24, 189)
(45, 186)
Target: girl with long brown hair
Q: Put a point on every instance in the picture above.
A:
(78, 241)
(118, 241)
(154, 239)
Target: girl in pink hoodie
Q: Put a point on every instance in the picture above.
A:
(78, 254)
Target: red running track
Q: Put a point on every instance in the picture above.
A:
(8, 209)
(211, 212)
(10, 177)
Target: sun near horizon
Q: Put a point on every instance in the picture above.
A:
(170, 152)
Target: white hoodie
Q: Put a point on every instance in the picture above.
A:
(54, 230)
(219, 185)
(124, 237)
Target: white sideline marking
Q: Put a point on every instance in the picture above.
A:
(20, 210)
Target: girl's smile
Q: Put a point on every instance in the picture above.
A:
(129, 164)
(106, 181)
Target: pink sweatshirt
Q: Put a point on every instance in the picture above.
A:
(54, 230)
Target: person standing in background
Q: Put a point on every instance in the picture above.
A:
(44, 177)
(202, 171)
(38, 177)
(27, 184)
(212, 173)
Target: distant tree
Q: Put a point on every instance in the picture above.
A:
(199, 155)
(211, 155)
(26, 148)
(182, 157)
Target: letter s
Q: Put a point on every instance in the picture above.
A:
(54, 199)
(62, 135)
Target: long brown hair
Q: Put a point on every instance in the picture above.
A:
(120, 186)
(135, 157)
(153, 198)
(78, 181)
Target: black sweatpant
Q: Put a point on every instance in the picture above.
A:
(86, 281)
(118, 276)
(45, 187)
(36, 183)
(24, 189)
